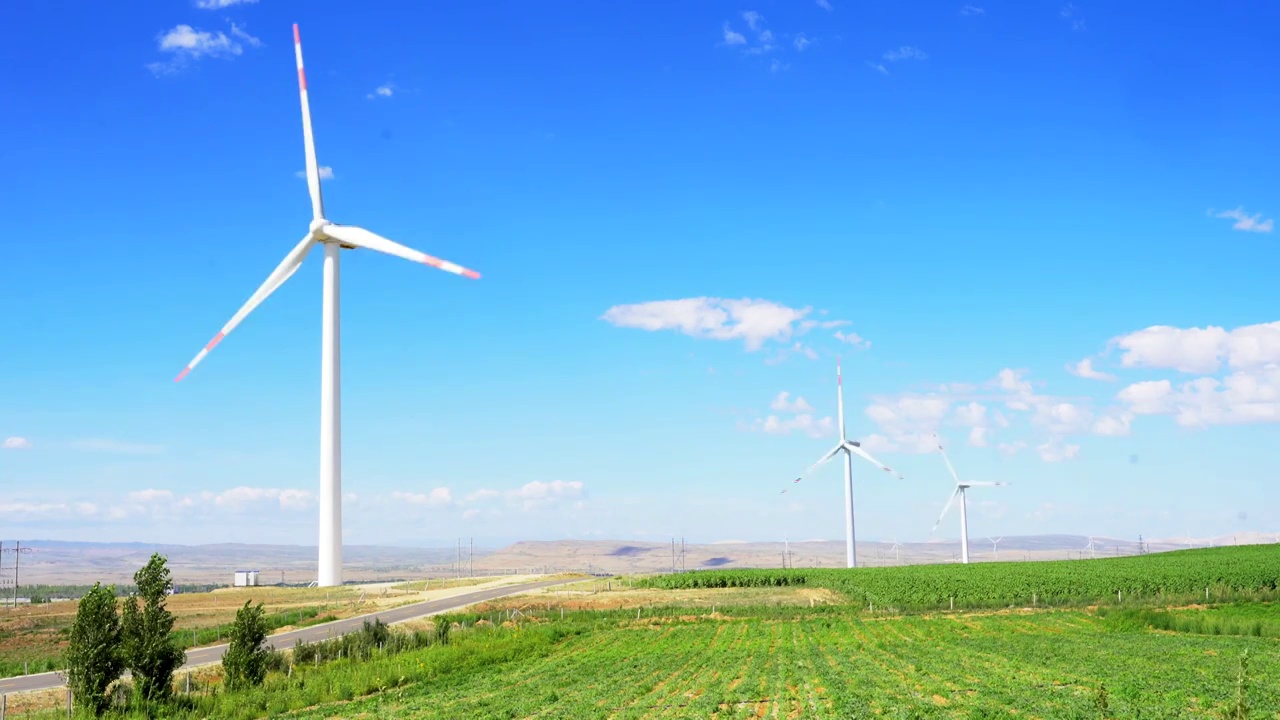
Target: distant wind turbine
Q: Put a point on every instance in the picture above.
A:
(959, 492)
(995, 542)
(334, 238)
(849, 448)
(896, 559)
(1092, 548)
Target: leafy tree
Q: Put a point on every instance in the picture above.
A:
(93, 654)
(150, 652)
(245, 662)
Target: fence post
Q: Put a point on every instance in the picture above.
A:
(953, 603)
(1033, 599)
(188, 682)
(4, 702)
(68, 702)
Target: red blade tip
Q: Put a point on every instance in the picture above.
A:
(471, 274)
(297, 38)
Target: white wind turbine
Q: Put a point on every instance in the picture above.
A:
(334, 238)
(995, 546)
(849, 448)
(1092, 548)
(961, 488)
(897, 560)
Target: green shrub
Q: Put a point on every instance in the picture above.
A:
(93, 655)
(246, 661)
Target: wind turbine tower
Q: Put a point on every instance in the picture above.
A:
(961, 488)
(334, 238)
(849, 448)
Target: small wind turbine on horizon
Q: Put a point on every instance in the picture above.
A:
(896, 559)
(334, 238)
(1092, 548)
(995, 549)
(849, 448)
(961, 488)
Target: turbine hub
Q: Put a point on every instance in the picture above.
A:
(317, 229)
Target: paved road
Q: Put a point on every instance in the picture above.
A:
(213, 653)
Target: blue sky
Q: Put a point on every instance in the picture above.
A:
(975, 197)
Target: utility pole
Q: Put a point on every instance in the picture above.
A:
(471, 558)
(673, 556)
(457, 563)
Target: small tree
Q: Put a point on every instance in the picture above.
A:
(245, 662)
(149, 649)
(93, 654)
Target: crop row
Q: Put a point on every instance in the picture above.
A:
(1248, 568)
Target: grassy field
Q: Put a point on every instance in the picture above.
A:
(1209, 573)
(608, 649)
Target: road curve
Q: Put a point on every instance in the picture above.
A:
(213, 653)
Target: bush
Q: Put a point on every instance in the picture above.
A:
(245, 662)
(149, 648)
(93, 655)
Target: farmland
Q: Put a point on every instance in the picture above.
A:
(625, 649)
(1164, 576)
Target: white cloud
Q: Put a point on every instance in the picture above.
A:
(470, 514)
(852, 338)
(805, 423)
(382, 91)
(1012, 448)
(115, 446)
(731, 37)
(150, 496)
(24, 510)
(1085, 369)
(753, 18)
(971, 10)
(15, 443)
(801, 42)
(186, 44)
(1054, 451)
(906, 52)
(242, 497)
(239, 32)
(1245, 396)
(436, 498)
(1113, 425)
(219, 4)
(878, 67)
(534, 495)
(1246, 222)
(1201, 350)
(784, 403)
(755, 322)
(825, 5)
(324, 171)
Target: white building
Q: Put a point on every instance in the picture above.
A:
(246, 578)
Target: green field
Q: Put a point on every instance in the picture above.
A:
(1126, 658)
(1186, 574)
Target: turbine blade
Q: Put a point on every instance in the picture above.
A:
(857, 450)
(283, 272)
(985, 484)
(823, 461)
(947, 460)
(950, 501)
(313, 168)
(360, 237)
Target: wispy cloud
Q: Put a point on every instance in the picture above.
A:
(825, 5)
(1246, 222)
(438, 497)
(382, 91)
(219, 4)
(753, 321)
(184, 45)
(801, 42)
(15, 443)
(1085, 369)
(325, 172)
(732, 37)
(1071, 14)
(905, 52)
(534, 495)
(251, 41)
(115, 446)
(972, 10)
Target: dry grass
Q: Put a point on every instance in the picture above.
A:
(612, 595)
(37, 631)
